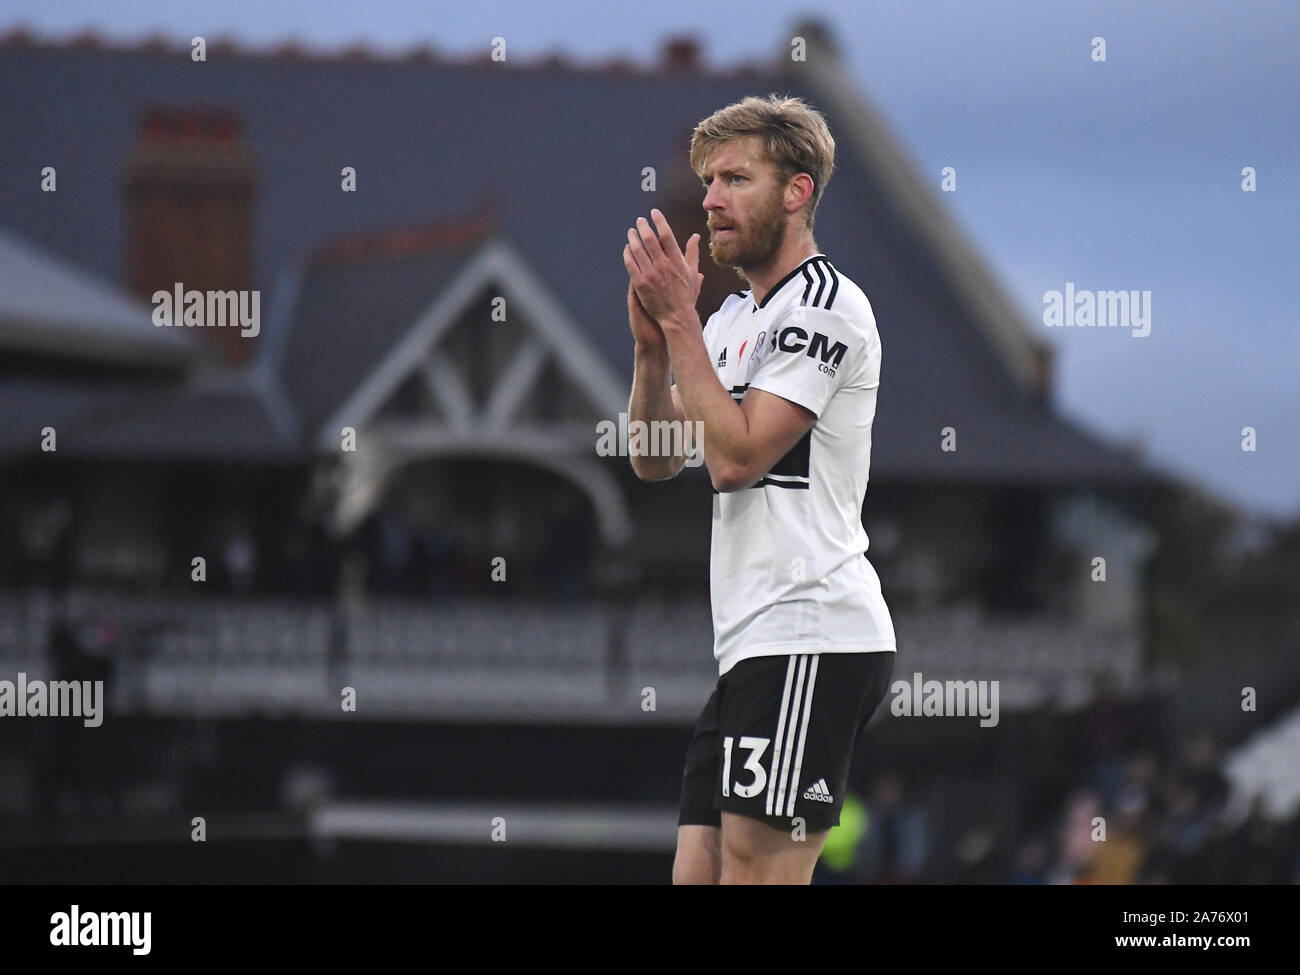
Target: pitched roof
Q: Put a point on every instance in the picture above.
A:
(51, 309)
(559, 150)
(356, 298)
(510, 360)
(74, 406)
(75, 351)
(219, 416)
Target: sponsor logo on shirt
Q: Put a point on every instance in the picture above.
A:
(792, 338)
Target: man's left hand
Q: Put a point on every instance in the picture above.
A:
(667, 282)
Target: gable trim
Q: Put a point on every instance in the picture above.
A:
(499, 264)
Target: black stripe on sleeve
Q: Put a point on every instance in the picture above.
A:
(835, 284)
(821, 275)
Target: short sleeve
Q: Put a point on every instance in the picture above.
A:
(810, 355)
(704, 332)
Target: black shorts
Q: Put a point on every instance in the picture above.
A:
(782, 728)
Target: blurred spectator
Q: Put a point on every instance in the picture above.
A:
(1108, 728)
(239, 556)
(894, 846)
(1119, 857)
(1200, 770)
(76, 765)
(1263, 848)
(1077, 846)
(841, 850)
(1031, 861)
(393, 550)
(566, 554)
(979, 858)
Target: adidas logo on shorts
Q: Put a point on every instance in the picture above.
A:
(818, 792)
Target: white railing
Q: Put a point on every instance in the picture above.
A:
(224, 654)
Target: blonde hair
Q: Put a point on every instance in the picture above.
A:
(795, 139)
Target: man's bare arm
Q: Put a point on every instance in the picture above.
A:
(653, 399)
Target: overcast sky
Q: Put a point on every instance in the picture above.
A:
(1122, 175)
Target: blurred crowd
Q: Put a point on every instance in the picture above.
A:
(1134, 816)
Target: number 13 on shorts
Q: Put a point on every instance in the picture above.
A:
(756, 747)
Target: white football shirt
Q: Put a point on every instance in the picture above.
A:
(788, 569)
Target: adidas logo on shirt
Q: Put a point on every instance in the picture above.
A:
(818, 792)
(722, 359)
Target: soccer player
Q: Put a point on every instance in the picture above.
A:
(782, 381)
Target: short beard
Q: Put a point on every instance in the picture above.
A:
(761, 244)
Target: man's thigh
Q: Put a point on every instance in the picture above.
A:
(755, 853)
(699, 855)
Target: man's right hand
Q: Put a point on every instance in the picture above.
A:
(649, 336)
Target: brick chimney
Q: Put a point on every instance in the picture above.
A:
(189, 184)
(681, 54)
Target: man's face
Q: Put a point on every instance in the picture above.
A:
(744, 197)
